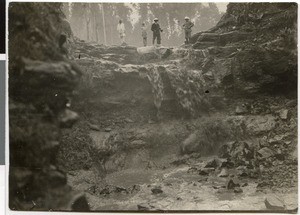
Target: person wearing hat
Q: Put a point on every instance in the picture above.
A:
(156, 31)
(187, 26)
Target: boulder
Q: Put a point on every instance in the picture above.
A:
(241, 109)
(190, 144)
(223, 173)
(283, 114)
(214, 163)
(94, 127)
(203, 45)
(228, 164)
(152, 52)
(273, 202)
(67, 118)
(206, 171)
(145, 207)
(265, 152)
(146, 50)
(238, 190)
(260, 124)
(107, 129)
(225, 149)
(232, 183)
(156, 190)
(233, 36)
(208, 37)
(137, 144)
(277, 139)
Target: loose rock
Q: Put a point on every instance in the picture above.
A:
(94, 127)
(156, 190)
(283, 114)
(273, 202)
(238, 190)
(265, 152)
(223, 173)
(214, 163)
(232, 183)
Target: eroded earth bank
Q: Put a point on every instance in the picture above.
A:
(210, 126)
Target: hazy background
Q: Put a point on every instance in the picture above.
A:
(97, 22)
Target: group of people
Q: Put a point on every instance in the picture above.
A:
(156, 29)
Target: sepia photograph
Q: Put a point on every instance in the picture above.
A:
(153, 107)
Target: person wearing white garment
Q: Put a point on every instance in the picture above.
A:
(121, 30)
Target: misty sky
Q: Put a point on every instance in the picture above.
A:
(222, 6)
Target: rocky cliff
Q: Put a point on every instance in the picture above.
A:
(41, 81)
(260, 41)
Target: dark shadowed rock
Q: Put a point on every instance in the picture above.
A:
(232, 183)
(156, 190)
(203, 172)
(238, 190)
(57, 178)
(145, 207)
(214, 163)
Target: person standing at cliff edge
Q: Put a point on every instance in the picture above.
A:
(187, 26)
(156, 32)
(121, 30)
(144, 34)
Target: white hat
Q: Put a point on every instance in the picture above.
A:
(186, 17)
(156, 19)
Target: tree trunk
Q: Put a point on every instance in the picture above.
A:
(103, 20)
(96, 27)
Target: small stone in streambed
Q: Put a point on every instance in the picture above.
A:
(237, 190)
(232, 183)
(214, 163)
(206, 171)
(202, 172)
(245, 184)
(223, 173)
(203, 180)
(145, 207)
(156, 190)
(94, 127)
(108, 130)
(129, 120)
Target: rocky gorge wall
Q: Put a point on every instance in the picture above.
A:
(260, 40)
(41, 81)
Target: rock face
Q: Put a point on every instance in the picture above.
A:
(40, 86)
(260, 41)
